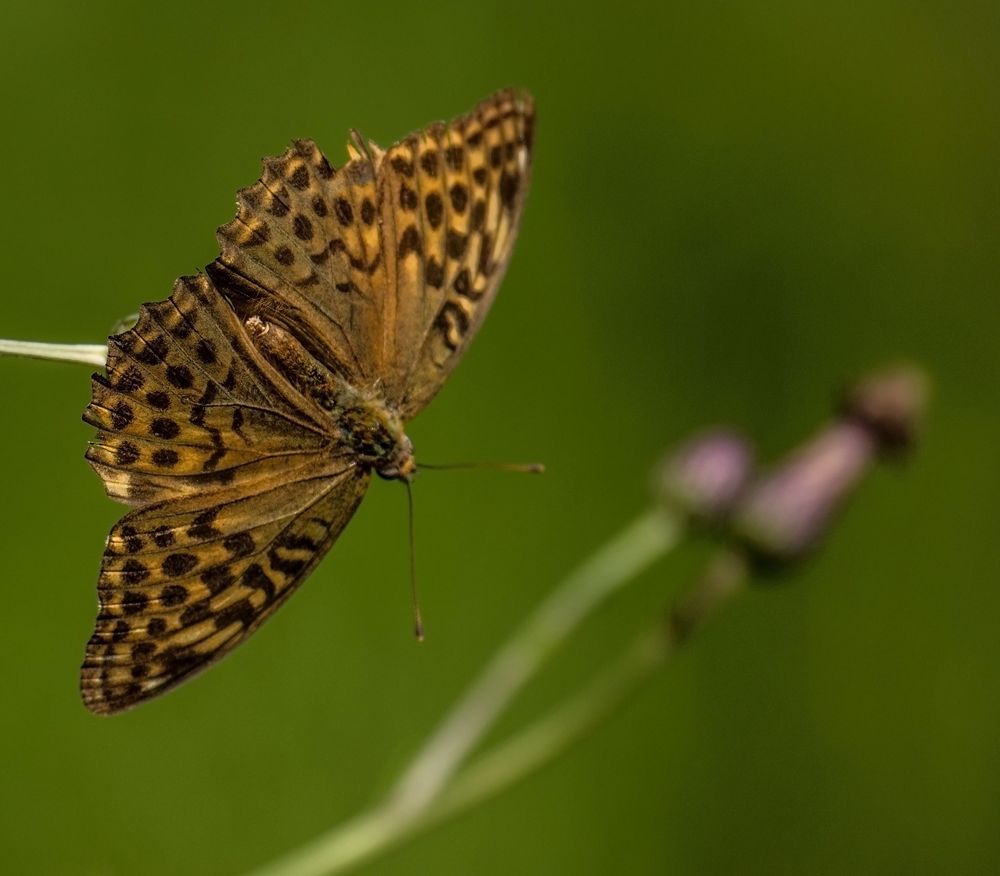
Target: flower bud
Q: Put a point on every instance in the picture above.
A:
(787, 511)
(890, 404)
(704, 476)
(790, 509)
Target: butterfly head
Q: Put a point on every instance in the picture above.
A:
(399, 465)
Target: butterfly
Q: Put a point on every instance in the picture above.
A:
(243, 416)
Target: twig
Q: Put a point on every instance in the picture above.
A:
(543, 741)
(530, 749)
(89, 354)
(612, 566)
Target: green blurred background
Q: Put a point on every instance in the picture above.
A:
(735, 207)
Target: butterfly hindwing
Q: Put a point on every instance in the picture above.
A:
(185, 581)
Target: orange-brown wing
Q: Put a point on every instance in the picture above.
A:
(305, 249)
(385, 267)
(451, 198)
(239, 487)
(185, 581)
(188, 404)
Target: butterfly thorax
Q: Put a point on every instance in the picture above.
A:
(360, 420)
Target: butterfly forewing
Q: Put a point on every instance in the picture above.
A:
(187, 404)
(225, 417)
(304, 245)
(451, 199)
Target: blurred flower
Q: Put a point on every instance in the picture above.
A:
(790, 509)
(890, 404)
(703, 477)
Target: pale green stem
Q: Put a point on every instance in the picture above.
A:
(646, 539)
(540, 743)
(610, 568)
(88, 354)
(547, 738)
(377, 831)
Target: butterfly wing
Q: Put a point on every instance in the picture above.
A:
(305, 248)
(383, 270)
(188, 404)
(451, 198)
(386, 267)
(183, 582)
(239, 489)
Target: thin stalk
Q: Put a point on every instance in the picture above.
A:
(611, 567)
(549, 737)
(546, 739)
(88, 354)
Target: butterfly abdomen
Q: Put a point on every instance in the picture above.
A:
(296, 364)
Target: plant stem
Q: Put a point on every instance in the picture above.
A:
(89, 354)
(530, 749)
(611, 567)
(646, 539)
(542, 742)
(380, 829)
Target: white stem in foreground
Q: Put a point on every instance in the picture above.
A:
(88, 354)
(602, 574)
(410, 803)
(543, 741)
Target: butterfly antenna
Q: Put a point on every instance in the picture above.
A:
(418, 621)
(526, 468)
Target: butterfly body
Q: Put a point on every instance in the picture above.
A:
(360, 420)
(242, 417)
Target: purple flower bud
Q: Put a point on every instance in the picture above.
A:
(791, 508)
(703, 477)
(786, 512)
(890, 404)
